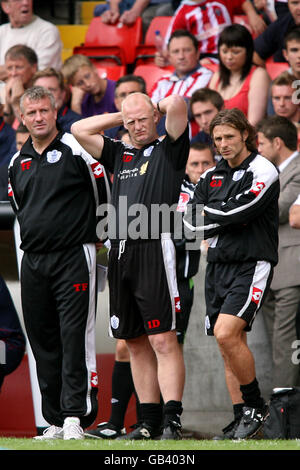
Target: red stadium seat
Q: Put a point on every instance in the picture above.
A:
(151, 73)
(275, 68)
(145, 52)
(112, 72)
(125, 38)
(106, 55)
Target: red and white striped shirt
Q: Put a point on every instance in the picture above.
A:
(205, 20)
(171, 84)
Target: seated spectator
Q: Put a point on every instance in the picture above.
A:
(291, 51)
(241, 84)
(124, 86)
(284, 105)
(207, 19)
(7, 140)
(21, 64)
(205, 105)
(12, 338)
(26, 28)
(127, 11)
(53, 80)
(189, 75)
(271, 42)
(91, 94)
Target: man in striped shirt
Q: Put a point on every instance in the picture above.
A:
(188, 75)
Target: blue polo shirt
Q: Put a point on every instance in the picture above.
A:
(7, 142)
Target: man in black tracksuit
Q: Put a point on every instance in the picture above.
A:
(238, 200)
(55, 188)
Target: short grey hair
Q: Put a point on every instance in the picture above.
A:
(37, 93)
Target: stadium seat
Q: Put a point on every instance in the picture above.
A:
(151, 73)
(106, 55)
(124, 37)
(71, 35)
(112, 72)
(275, 68)
(145, 52)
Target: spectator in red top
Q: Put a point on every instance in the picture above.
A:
(241, 84)
(207, 19)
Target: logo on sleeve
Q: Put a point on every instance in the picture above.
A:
(97, 170)
(257, 188)
(9, 191)
(183, 200)
(177, 304)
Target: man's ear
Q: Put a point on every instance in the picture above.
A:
(245, 135)
(5, 7)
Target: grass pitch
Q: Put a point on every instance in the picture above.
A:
(109, 446)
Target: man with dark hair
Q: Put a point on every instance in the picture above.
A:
(291, 51)
(188, 75)
(277, 141)
(272, 41)
(239, 202)
(205, 105)
(21, 64)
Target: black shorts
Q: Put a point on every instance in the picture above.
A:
(237, 289)
(143, 287)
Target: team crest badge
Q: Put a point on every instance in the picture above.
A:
(53, 156)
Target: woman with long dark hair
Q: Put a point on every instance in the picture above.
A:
(240, 83)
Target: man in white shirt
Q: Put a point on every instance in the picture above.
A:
(277, 141)
(26, 28)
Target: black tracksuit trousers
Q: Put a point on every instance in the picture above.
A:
(58, 292)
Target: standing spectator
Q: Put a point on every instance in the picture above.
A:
(239, 198)
(90, 94)
(55, 188)
(207, 19)
(271, 42)
(240, 84)
(53, 80)
(26, 28)
(144, 303)
(277, 141)
(205, 105)
(21, 63)
(188, 74)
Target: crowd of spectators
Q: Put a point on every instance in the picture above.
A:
(216, 64)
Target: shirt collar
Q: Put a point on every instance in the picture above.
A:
(284, 164)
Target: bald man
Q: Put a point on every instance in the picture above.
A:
(142, 271)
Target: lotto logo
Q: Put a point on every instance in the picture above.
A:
(257, 188)
(97, 170)
(256, 295)
(25, 165)
(127, 157)
(183, 200)
(94, 380)
(10, 191)
(177, 305)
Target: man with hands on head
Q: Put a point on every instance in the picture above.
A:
(142, 269)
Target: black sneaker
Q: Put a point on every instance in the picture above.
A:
(251, 422)
(105, 431)
(172, 430)
(142, 432)
(229, 431)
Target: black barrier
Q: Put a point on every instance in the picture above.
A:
(7, 216)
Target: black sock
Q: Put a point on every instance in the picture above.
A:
(237, 409)
(251, 395)
(151, 413)
(122, 389)
(172, 411)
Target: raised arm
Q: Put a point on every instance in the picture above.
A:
(175, 108)
(88, 131)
